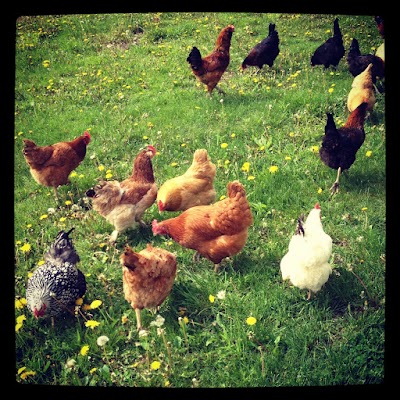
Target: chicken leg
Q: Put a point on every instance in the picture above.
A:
(138, 319)
(335, 187)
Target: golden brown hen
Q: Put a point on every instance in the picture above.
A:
(51, 165)
(215, 231)
(193, 188)
(209, 69)
(148, 277)
(123, 203)
(362, 90)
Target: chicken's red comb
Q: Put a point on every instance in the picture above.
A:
(152, 149)
(317, 206)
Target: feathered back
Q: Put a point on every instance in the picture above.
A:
(62, 250)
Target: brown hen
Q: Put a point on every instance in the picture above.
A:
(209, 69)
(51, 165)
(148, 277)
(215, 231)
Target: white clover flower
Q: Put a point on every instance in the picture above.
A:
(51, 210)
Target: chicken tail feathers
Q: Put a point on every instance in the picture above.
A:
(194, 59)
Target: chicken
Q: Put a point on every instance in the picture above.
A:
(331, 51)
(264, 52)
(362, 90)
(148, 277)
(209, 69)
(215, 231)
(340, 145)
(306, 264)
(55, 285)
(195, 187)
(357, 62)
(51, 165)
(123, 204)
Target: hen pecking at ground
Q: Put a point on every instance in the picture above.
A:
(215, 231)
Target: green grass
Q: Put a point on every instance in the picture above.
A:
(125, 78)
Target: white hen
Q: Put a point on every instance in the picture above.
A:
(306, 264)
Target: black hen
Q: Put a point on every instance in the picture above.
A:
(358, 62)
(57, 284)
(331, 51)
(264, 52)
(340, 145)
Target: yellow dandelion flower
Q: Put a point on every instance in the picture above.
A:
(174, 164)
(93, 370)
(315, 149)
(211, 298)
(185, 320)
(108, 176)
(368, 153)
(20, 319)
(251, 178)
(101, 167)
(124, 319)
(262, 148)
(18, 327)
(155, 365)
(84, 350)
(95, 304)
(40, 262)
(222, 197)
(331, 89)
(26, 248)
(20, 303)
(251, 321)
(291, 134)
(246, 167)
(319, 191)
(73, 174)
(273, 169)
(224, 145)
(44, 216)
(29, 226)
(288, 158)
(233, 135)
(279, 84)
(68, 202)
(92, 324)
(364, 209)
(63, 219)
(24, 375)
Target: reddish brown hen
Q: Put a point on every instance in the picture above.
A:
(123, 204)
(209, 69)
(215, 231)
(51, 165)
(340, 145)
(148, 277)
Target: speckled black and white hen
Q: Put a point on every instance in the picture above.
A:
(55, 286)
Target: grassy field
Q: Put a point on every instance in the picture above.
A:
(124, 78)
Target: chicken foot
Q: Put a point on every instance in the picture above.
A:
(138, 319)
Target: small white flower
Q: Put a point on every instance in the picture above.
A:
(143, 333)
(159, 321)
(70, 363)
(51, 210)
(93, 156)
(221, 294)
(102, 340)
